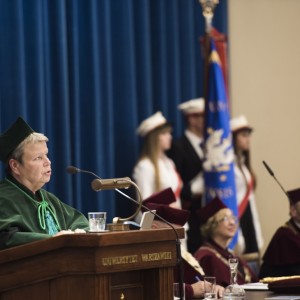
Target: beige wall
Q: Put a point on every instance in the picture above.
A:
(264, 58)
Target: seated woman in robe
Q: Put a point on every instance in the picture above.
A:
(219, 226)
(192, 273)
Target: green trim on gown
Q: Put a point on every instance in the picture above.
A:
(19, 223)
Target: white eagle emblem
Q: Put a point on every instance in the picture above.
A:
(219, 152)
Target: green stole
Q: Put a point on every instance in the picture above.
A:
(46, 216)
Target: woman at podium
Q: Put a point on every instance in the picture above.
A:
(29, 212)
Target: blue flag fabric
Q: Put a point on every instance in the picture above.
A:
(219, 160)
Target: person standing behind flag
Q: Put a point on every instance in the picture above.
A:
(188, 156)
(250, 239)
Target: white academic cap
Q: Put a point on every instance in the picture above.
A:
(239, 123)
(192, 106)
(151, 123)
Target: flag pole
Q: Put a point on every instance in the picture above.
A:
(218, 165)
(208, 7)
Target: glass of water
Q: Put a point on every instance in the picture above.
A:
(97, 221)
(209, 287)
(177, 289)
(233, 291)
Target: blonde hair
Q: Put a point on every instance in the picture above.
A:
(34, 137)
(150, 150)
(208, 228)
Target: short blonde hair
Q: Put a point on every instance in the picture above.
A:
(208, 228)
(34, 137)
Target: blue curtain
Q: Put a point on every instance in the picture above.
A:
(87, 72)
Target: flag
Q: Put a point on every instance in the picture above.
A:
(219, 158)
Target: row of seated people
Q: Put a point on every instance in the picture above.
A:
(218, 227)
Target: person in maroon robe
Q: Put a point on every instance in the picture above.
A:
(282, 256)
(219, 226)
(192, 271)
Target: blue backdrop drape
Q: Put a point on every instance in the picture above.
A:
(87, 72)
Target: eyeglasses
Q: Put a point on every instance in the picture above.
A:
(227, 219)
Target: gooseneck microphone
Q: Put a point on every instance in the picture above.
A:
(101, 184)
(109, 184)
(273, 175)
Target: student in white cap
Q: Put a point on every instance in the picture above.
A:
(188, 155)
(154, 170)
(250, 240)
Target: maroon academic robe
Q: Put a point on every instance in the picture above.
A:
(214, 261)
(190, 276)
(282, 257)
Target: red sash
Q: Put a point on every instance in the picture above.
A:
(179, 187)
(245, 201)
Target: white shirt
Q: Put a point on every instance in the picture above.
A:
(241, 190)
(144, 177)
(197, 183)
(195, 141)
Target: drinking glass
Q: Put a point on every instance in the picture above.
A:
(209, 287)
(97, 221)
(176, 291)
(233, 291)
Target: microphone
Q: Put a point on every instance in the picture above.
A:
(109, 184)
(74, 170)
(273, 175)
(103, 182)
(268, 168)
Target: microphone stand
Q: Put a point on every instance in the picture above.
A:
(273, 175)
(73, 170)
(178, 244)
(109, 184)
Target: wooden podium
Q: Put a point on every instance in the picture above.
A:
(131, 265)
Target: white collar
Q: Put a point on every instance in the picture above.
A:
(195, 141)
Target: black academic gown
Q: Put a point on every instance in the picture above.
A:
(282, 257)
(188, 164)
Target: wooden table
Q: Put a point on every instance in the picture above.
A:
(135, 265)
(261, 295)
(258, 295)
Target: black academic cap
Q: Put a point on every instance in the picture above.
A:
(12, 137)
(294, 195)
